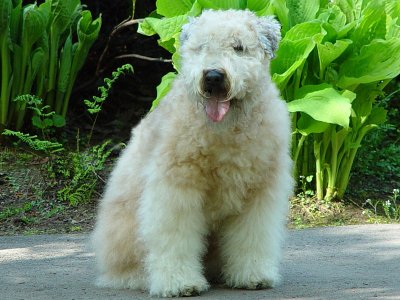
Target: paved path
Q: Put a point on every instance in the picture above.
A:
(352, 262)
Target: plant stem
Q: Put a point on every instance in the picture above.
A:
(53, 58)
(332, 174)
(306, 158)
(297, 153)
(5, 73)
(318, 170)
(59, 102)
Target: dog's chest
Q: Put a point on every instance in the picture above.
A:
(235, 173)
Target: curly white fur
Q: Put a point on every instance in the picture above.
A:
(190, 197)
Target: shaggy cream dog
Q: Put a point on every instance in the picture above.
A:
(201, 191)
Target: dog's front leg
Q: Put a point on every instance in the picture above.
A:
(251, 242)
(172, 226)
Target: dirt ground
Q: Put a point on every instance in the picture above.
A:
(29, 202)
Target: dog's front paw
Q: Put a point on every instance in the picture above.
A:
(253, 280)
(177, 286)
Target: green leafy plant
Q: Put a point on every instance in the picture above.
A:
(94, 106)
(81, 169)
(34, 142)
(334, 60)
(43, 47)
(17, 210)
(44, 120)
(389, 208)
(347, 54)
(305, 187)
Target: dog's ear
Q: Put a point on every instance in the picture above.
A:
(269, 34)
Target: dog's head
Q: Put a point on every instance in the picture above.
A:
(225, 58)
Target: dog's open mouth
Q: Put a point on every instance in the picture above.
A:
(215, 93)
(217, 105)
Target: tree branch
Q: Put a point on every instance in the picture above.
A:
(123, 24)
(144, 58)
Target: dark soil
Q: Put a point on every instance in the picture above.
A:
(28, 198)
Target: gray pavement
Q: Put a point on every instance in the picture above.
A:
(351, 262)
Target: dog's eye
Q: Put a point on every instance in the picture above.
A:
(238, 48)
(197, 48)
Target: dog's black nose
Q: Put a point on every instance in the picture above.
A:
(214, 78)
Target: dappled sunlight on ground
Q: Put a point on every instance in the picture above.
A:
(351, 262)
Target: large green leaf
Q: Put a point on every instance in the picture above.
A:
(333, 16)
(88, 31)
(166, 28)
(305, 30)
(145, 28)
(65, 65)
(352, 8)
(379, 60)
(34, 65)
(15, 24)
(307, 125)
(289, 57)
(294, 50)
(392, 27)
(393, 20)
(174, 8)
(362, 106)
(302, 11)
(257, 5)
(324, 104)
(372, 24)
(223, 4)
(163, 88)
(5, 14)
(37, 60)
(377, 116)
(281, 11)
(328, 52)
(35, 21)
(62, 11)
(42, 74)
(195, 10)
(392, 8)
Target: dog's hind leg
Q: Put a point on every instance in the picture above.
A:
(118, 252)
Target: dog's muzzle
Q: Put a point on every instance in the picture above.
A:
(217, 102)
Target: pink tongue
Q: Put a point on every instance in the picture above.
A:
(216, 110)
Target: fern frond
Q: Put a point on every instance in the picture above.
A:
(94, 105)
(29, 99)
(34, 142)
